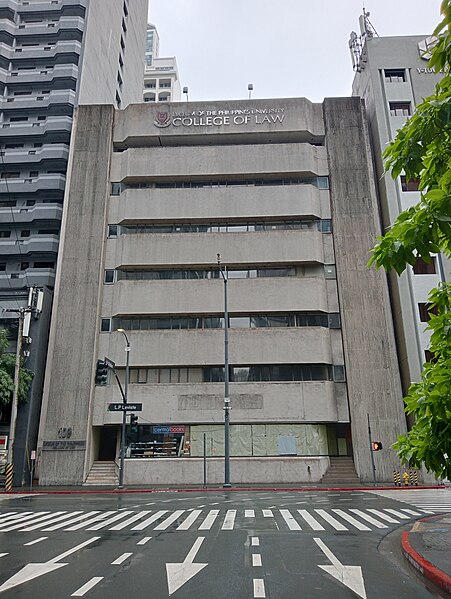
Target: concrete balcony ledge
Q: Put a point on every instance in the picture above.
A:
(32, 155)
(31, 214)
(43, 182)
(65, 96)
(42, 75)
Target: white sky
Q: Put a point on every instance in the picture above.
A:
(285, 48)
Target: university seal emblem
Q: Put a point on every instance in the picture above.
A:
(163, 119)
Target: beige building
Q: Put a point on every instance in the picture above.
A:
(155, 193)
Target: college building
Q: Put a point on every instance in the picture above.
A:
(284, 191)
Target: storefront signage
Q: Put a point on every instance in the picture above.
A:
(218, 118)
(159, 430)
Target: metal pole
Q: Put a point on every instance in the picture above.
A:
(371, 451)
(226, 380)
(205, 460)
(124, 413)
(15, 399)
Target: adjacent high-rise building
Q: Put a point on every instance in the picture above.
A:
(54, 55)
(392, 76)
(161, 78)
(157, 193)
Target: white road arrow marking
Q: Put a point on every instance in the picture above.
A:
(180, 573)
(31, 571)
(350, 576)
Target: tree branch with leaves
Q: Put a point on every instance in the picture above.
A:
(7, 366)
(422, 150)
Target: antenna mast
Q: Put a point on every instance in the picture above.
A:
(357, 42)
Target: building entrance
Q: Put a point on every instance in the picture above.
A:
(107, 443)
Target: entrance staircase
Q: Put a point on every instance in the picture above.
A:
(102, 474)
(341, 471)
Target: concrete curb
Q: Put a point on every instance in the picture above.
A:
(77, 490)
(428, 570)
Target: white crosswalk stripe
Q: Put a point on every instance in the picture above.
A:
(186, 524)
(28, 519)
(130, 520)
(368, 518)
(312, 519)
(291, 522)
(350, 519)
(167, 523)
(209, 520)
(313, 523)
(331, 520)
(150, 520)
(426, 500)
(229, 520)
(71, 521)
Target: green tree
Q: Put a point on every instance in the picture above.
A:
(7, 364)
(422, 150)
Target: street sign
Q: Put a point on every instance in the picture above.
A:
(125, 407)
(33, 454)
(109, 363)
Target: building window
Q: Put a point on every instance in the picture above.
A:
(115, 189)
(411, 184)
(5, 234)
(24, 265)
(426, 311)
(395, 75)
(2, 266)
(112, 230)
(25, 233)
(400, 109)
(44, 265)
(10, 175)
(424, 268)
(109, 276)
(105, 325)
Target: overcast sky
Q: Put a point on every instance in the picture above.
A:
(285, 48)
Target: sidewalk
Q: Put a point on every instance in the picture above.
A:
(428, 549)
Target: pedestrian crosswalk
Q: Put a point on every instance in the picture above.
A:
(314, 519)
(429, 500)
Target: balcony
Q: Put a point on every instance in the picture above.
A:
(27, 215)
(53, 128)
(206, 296)
(43, 244)
(56, 97)
(251, 202)
(38, 277)
(40, 75)
(47, 51)
(64, 29)
(28, 156)
(197, 249)
(42, 183)
(303, 345)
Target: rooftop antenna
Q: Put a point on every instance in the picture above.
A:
(250, 87)
(357, 42)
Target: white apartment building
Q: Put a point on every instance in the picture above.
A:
(161, 79)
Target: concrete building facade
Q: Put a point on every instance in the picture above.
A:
(54, 55)
(154, 194)
(393, 77)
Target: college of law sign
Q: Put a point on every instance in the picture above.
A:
(218, 118)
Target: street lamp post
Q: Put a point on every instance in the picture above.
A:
(226, 380)
(124, 413)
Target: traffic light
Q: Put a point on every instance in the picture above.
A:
(101, 373)
(133, 423)
(376, 445)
